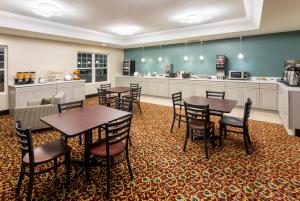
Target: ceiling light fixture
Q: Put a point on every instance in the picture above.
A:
(160, 58)
(201, 55)
(194, 18)
(125, 30)
(143, 58)
(185, 58)
(47, 10)
(241, 55)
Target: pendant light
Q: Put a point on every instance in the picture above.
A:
(143, 58)
(201, 55)
(241, 55)
(160, 58)
(185, 58)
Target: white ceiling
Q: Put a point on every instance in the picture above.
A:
(93, 21)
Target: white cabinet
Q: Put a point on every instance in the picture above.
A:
(218, 86)
(200, 87)
(251, 90)
(122, 81)
(283, 105)
(19, 95)
(184, 86)
(268, 96)
(234, 91)
(158, 87)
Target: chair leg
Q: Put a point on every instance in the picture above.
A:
(213, 137)
(225, 131)
(179, 121)
(55, 166)
(248, 136)
(80, 140)
(108, 180)
(67, 166)
(186, 138)
(173, 123)
(21, 177)
(30, 183)
(192, 135)
(130, 143)
(128, 163)
(246, 141)
(206, 145)
(220, 135)
(139, 105)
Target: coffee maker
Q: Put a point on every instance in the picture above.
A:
(221, 63)
(292, 72)
(169, 69)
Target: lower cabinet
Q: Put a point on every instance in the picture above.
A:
(158, 87)
(268, 99)
(253, 94)
(234, 94)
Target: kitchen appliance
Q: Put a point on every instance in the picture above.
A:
(293, 76)
(169, 69)
(128, 67)
(186, 75)
(173, 75)
(238, 75)
(221, 63)
(288, 64)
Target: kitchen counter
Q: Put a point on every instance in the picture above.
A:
(45, 83)
(288, 88)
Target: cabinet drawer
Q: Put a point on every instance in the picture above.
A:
(64, 85)
(201, 82)
(217, 84)
(35, 88)
(234, 84)
(251, 85)
(272, 86)
(158, 80)
(180, 81)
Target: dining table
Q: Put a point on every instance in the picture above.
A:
(118, 90)
(215, 104)
(82, 120)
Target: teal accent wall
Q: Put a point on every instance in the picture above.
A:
(264, 55)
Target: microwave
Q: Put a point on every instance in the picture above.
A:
(238, 75)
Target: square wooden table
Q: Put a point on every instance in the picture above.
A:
(83, 120)
(215, 104)
(118, 90)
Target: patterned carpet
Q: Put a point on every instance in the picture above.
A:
(163, 172)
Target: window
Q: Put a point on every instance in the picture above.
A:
(92, 66)
(2, 69)
(100, 67)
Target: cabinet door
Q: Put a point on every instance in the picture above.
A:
(78, 93)
(23, 98)
(46, 94)
(162, 90)
(144, 86)
(283, 106)
(253, 94)
(187, 91)
(67, 91)
(268, 99)
(152, 89)
(200, 90)
(234, 94)
(174, 88)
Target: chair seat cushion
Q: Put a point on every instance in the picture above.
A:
(99, 149)
(231, 121)
(47, 152)
(200, 124)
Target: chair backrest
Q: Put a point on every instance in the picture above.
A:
(135, 93)
(68, 106)
(197, 112)
(215, 94)
(247, 111)
(105, 86)
(25, 141)
(102, 96)
(124, 104)
(134, 85)
(176, 98)
(117, 131)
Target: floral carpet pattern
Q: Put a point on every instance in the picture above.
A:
(162, 171)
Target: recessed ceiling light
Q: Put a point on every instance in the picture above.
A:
(47, 10)
(125, 30)
(193, 18)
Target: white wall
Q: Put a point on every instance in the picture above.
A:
(29, 54)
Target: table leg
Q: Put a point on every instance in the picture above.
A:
(87, 142)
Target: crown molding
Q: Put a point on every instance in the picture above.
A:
(251, 21)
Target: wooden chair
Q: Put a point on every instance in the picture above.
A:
(177, 104)
(105, 98)
(114, 145)
(238, 123)
(106, 87)
(197, 120)
(124, 104)
(134, 85)
(68, 106)
(135, 96)
(39, 155)
(215, 94)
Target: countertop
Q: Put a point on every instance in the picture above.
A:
(45, 83)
